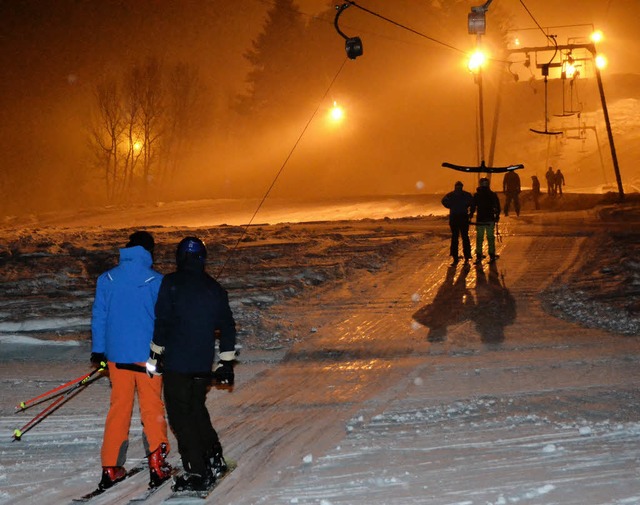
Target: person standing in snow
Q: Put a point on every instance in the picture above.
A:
(458, 202)
(193, 311)
(551, 181)
(511, 189)
(535, 191)
(121, 329)
(559, 182)
(487, 205)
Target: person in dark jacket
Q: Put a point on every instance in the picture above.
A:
(511, 189)
(193, 311)
(559, 182)
(535, 191)
(551, 181)
(487, 205)
(458, 202)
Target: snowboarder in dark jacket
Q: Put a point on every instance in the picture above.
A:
(192, 311)
(511, 189)
(458, 202)
(487, 205)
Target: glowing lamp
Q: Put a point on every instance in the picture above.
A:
(476, 61)
(601, 61)
(336, 113)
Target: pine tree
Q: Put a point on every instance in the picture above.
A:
(276, 81)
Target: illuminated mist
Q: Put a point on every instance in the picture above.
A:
(409, 103)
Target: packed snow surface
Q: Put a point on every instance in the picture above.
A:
(370, 371)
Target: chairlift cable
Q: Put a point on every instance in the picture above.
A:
(404, 27)
(282, 167)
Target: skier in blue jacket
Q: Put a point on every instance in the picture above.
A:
(122, 328)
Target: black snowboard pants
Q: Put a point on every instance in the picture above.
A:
(185, 397)
(459, 224)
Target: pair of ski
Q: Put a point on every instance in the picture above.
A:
(176, 497)
(98, 491)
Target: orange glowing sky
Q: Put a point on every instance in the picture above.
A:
(409, 103)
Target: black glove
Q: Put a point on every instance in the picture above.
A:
(223, 373)
(154, 363)
(98, 360)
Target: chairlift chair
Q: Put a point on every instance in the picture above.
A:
(545, 73)
(565, 112)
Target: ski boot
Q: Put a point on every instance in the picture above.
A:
(159, 468)
(111, 475)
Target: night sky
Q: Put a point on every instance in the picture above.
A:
(410, 102)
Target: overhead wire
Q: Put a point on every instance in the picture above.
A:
(282, 167)
(404, 27)
(297, 142)
(277, 176)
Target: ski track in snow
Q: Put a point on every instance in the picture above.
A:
(343, 397)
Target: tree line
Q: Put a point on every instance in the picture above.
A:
(144, 120)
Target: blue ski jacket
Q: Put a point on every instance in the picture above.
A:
(123, 310)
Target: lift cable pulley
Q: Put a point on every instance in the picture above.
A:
(353, 45)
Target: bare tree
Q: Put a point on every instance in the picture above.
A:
(106, 134)
(183, 97)
(142, 130)
(147, 92)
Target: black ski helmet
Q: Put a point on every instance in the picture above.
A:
(191, 247)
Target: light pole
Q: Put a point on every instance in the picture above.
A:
(476, 23)
(475, 66)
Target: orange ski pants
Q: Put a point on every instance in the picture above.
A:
(124, 384)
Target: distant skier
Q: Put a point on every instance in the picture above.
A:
(458, 202)
(191, 312)
(121, 331)
(559, 182)
(551, 181)
(535, 191)
(487, 205)
(511, 189)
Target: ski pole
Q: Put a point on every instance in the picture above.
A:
(58, 390)
(17, 433)
(63, 397)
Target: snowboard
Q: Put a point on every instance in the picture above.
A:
(194, 497)
(144, 496)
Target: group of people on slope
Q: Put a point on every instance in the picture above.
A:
(463, 206)
(154, 332)
(555, 181)
(511, 188)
